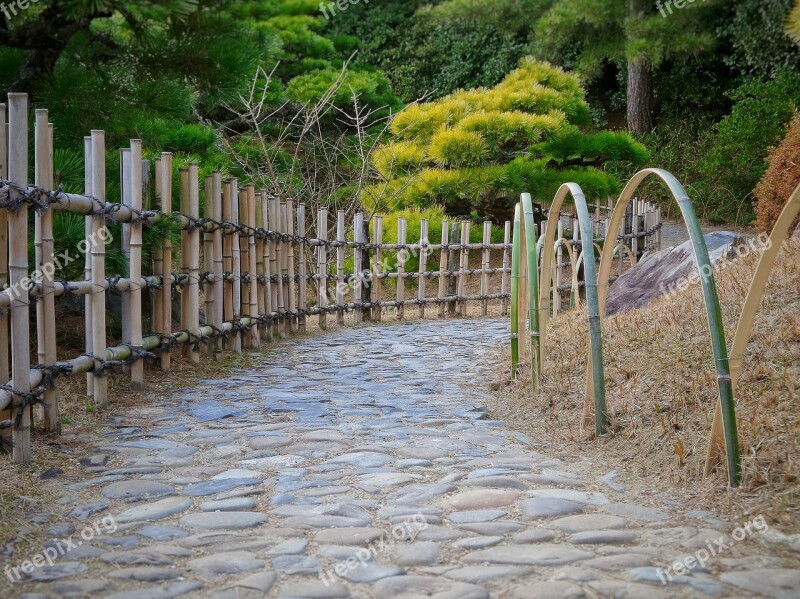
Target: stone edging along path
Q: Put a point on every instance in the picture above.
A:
(362, 464)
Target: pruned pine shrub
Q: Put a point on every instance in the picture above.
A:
(780, 180)
(475, 151)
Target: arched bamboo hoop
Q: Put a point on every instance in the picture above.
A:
(516, 253)
(744, 328)
(710, 295)
(597, 381)
(532, 265)
(631, 256)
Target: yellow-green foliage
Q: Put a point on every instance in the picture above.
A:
(452, 147)
(793, 24)
(398, 158)
(474, 150)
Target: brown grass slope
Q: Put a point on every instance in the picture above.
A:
(661, 391)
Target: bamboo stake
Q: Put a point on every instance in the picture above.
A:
(401, 266)
(193, 290)
(252, 261)
(377, 269)
(261, 287)
(452, 286)
(290, 268)
(302, 266)
(322, 267)
(358, 267)
(236, 277)
(269, 268)
(208, 252)
(487, 263)
(18, 272)
(158, 261)
(284, 268)
(98, 251)
(504, 303)
(277, 266)
(87, 263)
(45, 307)
(183, 176)
(244, 265)
(340, 278)
(166, 270)
(5, 348)
(423, 264)
(462, 277)
(443, 262)
(135, 176)
(218, 313)
(227, 255)
(125, 200)
(559, 269)
(635, 238)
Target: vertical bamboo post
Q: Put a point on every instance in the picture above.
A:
(504, 276)
(284, 267)
(252, 261)
(322, 267)
(276, 259)
(402, 256)
(635, 238)
(97, 247)
(183, 177)
(358, 267)
(125, 200)
(452, 286)
(559, 269)
(87, 263)
(158, 260)
(218, 263)
(269, 267)
(302, 267)
(45, 308)
(208, 251)
(5, 348)
(166, 267)
(422, 271)
(377, 269)
(18, 273)
(227, 254)
(135, 265)
(244, 265)
(261, 285)
(236, 277)
(193, 285)
(485, 266)
(341, 240)
(464, 267)
(290, 267)
(443, 263)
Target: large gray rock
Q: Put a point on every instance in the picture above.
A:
(663, 273)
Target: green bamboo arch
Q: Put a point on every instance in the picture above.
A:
(524, 276)
(597, 379)
(744, 328)
(710, 295)
(574, 291)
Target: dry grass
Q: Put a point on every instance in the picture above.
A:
(662, 390)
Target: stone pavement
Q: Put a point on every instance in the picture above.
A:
(361, 463)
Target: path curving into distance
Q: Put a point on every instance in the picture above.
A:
(361, 463)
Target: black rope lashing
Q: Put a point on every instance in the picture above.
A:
(26, 399)
(51, 372)
(38, 198)
(105, 365)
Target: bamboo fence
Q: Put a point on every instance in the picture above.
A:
(243, 271)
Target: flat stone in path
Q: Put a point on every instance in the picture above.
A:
(349, 536)
(549, 590)
(366, 572)
(78, 588)
(602, 537)
(315, 589)
(229, 505)
(582, 522)
(546, 554)
(136, 489)
(59, 570)
(223, 520)
(588, 498)
(219, 564)
(547, 507)
(777, 583)
(635, 512)
(480, 499)
(415, 587)
(254, 586)
(155, 510)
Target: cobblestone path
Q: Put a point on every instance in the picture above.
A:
(362, 464)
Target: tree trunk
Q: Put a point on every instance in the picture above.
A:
(640, 97)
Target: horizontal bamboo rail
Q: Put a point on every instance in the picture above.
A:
(247, 261)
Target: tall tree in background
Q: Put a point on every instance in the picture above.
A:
(590, 34)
